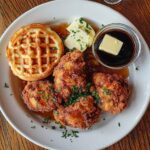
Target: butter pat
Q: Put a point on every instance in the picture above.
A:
(80, 23)
(77, 40)
(81, 35)
(110, 45)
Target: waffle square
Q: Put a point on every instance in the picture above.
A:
(33, 51)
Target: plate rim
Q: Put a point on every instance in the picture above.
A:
(39, 143)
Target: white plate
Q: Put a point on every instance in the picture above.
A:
(105, 132)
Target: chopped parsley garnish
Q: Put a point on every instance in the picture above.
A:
(104, 119)
(88, 87)
(56, 112)
(78, 40)
(6, 85)
(54, 48)
(87, 31)
(96, 97)
(46, 120)
(88, 26)
(62, 127)
(72, 133)
(75, 133)
(73, 31)
(75, 89)
(33, 127)
(40, 92)
(78, 92)
(44, 95)
(81, 20)
(106, 91)
(119, 124)
(81, 46)
(11, 94)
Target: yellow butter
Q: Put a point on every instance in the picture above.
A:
(110, 45)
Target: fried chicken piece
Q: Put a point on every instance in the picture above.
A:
(113, 91)
(39, 96)
(82, 114)
(70, 72)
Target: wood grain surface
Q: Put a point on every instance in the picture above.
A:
(138, 12)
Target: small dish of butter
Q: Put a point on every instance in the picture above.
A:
(116, 46)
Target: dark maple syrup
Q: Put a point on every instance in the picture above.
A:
(126, 53)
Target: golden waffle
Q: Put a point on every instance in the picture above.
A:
(33, 51)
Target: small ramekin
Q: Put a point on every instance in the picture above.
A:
(131, 32)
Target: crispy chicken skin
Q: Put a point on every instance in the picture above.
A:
(39, 96)
(113, 91)
(82, 114)
(69, 72)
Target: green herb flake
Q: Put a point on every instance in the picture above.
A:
(44, 95)
(33, 127)
(119, 125)
(74, 97)
(88, 86)
(6, 85)
(88, 26)
(87, 31)
(96, 97)
(106, 91)
(46, 120)
(73, 31)
(64, 134)
(11, 94)
(62, 127)
(40, 92)
(78, 40)
(81, 47)
(75, 133)
(75, 89)
(78, 92)
(72, 133)
(56, 112)
(81, 20)
(54, 48)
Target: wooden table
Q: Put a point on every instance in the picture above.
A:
(138, 12)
